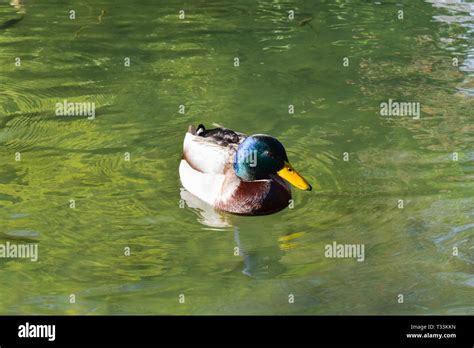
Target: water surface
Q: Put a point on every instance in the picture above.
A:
(177, 245)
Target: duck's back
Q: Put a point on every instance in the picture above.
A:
(206, 158)
(221, 136)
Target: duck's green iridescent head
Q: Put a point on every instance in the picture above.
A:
(260, 156)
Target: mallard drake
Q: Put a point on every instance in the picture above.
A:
(236, 173)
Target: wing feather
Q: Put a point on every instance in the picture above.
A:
(205, 155)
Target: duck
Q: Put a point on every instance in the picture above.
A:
(238, 173)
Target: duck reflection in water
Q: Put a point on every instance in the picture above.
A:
(18, 4)
(259, 262)
(261, 258)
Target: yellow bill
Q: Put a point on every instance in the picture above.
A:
(293, 177)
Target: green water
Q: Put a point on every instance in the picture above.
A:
(179, 247)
